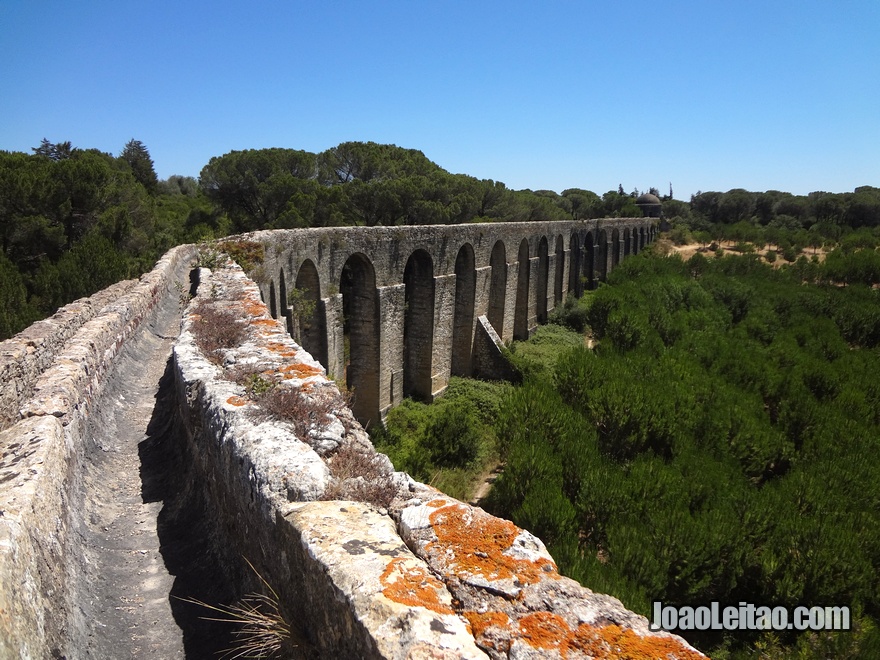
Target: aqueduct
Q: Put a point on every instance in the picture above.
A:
(394, 311)
(142, 478)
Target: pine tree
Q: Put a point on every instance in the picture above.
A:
(138, 158)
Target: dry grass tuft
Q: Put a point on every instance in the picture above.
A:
(215, 328)
(360, 475)
(291, 404)
(262, 630)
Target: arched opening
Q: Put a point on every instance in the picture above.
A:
(602, 256)
(560, 271)
(418, 326)
(574, 267)
(615, 248)
(306, 321)
(521, 311)
(273, 304)
(282, 297)
(463, 323)
(498, 287)
(361, 331)
(627, 245)
(590, 261)
(543, 279)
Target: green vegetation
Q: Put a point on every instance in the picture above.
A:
(721, 443)
(73, 221)
(450, 443)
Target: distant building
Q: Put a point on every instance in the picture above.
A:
(650, 205)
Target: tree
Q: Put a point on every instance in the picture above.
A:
(58, 151)
(585, 204)
(138, 158)
(255, 186)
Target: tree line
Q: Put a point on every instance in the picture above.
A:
(73, 220)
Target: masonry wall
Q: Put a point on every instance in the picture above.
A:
(418, 574)
(405, 573)
(526, 286)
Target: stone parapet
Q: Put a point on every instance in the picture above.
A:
(407, 573)
(24, 357)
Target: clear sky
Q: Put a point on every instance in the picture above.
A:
(705, 95)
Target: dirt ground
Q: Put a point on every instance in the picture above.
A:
(690, 249)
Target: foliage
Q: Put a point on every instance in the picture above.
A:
(138, 158)
(719, 444)
(531, 357)
(73, 221)
(450, 443)
(572, 314)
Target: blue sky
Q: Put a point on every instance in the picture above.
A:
(704, 95)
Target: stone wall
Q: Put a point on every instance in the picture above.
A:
(367, 570)
(28, 354)
(50, 374)
(514, 273)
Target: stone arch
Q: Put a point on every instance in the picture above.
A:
(357, 283)
(602, 256)
(273, 300)
(498, 287)
(543, 278)
(590, 260)
(418, 325)
(282, 299)
(574, 266)
(521, 311)
(560, 270)
(615, 248)
(463, 322)
(627, 242)
(307, 323)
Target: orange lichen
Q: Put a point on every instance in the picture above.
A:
(300, 370)
(474, 542)
(284, 350)
(265, 322)
(236, 401)
(544, 630)
(436, 504)
(413, 586)
(616, 642)
(254, 308)
(481, 621)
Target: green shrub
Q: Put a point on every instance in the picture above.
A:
(451, 438)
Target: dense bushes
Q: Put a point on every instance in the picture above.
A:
(720, 444)
(449, 443)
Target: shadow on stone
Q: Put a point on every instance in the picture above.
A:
(187, 536)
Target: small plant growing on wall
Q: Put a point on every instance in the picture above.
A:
(215, 328)
(247, 254)
(261, 628)
(362, 476)
(210, 257)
